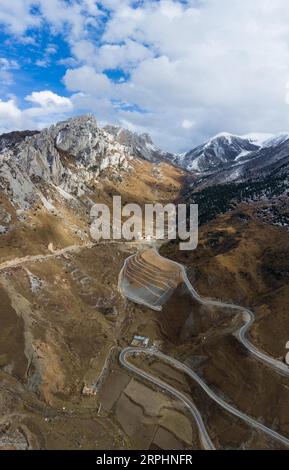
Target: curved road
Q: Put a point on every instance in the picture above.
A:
(204, 437)
(249, 318)
(15, 262)
(207, 443)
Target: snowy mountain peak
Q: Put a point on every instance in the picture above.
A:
(226, 150)
(220, 150)
(277, 139)
(222, 135)
(258, 138)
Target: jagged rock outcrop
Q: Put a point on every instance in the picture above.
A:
(11, 139)
(69, 155)
(140, 145)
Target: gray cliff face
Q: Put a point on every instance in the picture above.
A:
(68, 155)
(11, 139)
(90, 145)
(139, 145)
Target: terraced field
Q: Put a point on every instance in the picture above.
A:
(148, 279)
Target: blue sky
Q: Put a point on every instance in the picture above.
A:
(180, 70)
(37, 70)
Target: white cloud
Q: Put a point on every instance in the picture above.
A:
(68, 62)
(86, 79)
(47, 107)
(111, 56)
(45, 61)
(9, 109)
(194, 68)
(42, 63)
(16, 15)
(187, 124)
(50, 101)
(7, 64)
(75, 15)
(6, 68)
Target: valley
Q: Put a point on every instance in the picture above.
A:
(213, 372)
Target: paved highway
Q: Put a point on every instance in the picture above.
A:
(248, 317)
(205, 439)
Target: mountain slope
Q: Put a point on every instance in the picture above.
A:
(220, 150)
(69, 155)
(140, 145)
(52, 179)
(271, 158)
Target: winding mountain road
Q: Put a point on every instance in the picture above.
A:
(204, 436)
(205, 439)
(248, 317)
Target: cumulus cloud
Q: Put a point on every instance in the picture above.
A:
(9, 110)
(181, 70)
(50, 101)
(195, 68)
(46, 107)
(86, 79)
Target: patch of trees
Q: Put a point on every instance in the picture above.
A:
(219, 199)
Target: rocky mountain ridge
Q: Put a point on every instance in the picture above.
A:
(140, 145)
(223, 158)
(68, 155)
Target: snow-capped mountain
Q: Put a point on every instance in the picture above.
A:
(270, 157)
(219, 151)
(259, 176)
(73, 154)
(139, 145)
(228, 157)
